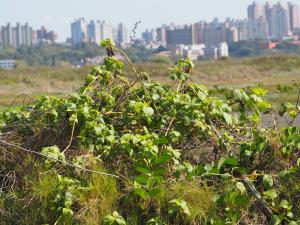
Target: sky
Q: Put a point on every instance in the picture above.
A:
(58, 14)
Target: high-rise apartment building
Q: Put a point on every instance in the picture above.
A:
(214, 34)
(7, 35)
(79, 31)
(16, 36)
(294, 16)
(94, 32)
(162, 36)
(199, 30)
(278, 18)
(256, 11)
(43, 35)
(122, 35)
(232, 34)
(253, 29)
(107, 31)
(180, 35)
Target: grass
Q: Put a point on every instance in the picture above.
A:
(199, 198)
(268, 72)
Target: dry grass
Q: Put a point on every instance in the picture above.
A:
(267, 72)
(199, 198)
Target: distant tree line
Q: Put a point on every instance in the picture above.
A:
(56, 54)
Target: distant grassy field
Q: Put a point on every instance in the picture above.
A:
(279, 74)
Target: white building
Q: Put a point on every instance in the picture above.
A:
(107, 31)
(294, 16)
(214, 53)
(93, 32)
(223, 50)
(193, 52)
(7, 64)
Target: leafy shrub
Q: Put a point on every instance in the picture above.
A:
(118, 150)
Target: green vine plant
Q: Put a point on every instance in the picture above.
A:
(127, 150)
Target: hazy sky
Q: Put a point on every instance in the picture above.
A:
(58, 14)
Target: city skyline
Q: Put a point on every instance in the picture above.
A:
(59, 18)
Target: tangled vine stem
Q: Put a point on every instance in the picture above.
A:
(71, 138)
(57, 160)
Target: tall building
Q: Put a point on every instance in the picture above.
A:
(27, 34)
(253, 29)
(214, 34)
(256, 11)
(122, 35)
(162, 35)
(232, 34)
(181, 35)
(43, 35)
(278, 18)
(223, 50)
(94, 32)
(150, 36)
(199, 30)
(7, 35)
(107, 31)
(147, 36)
(294, 16)
(79, 31)
(17, 36)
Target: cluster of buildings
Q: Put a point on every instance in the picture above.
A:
(209, 39)
(206, 40)
(200, 51)
(24, 35)
(93, 31)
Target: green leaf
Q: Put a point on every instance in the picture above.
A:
(293, 114)
(160, 172)
(231, 162)
(143, 169)
(294, 223)
(67, 212)
(141, 193)
(73, 118)
(156, 192)
(221, 162)
(142, 179)
(148, 111)
(275, 220)
(270, 194)
(228, 118)
(240, 186)
(285, 205)
(259, 91)
(155, 97)
(164, 158)
(268, 181)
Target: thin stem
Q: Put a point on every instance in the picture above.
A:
(71, 138)
(57, 160)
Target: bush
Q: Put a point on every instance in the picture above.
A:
(117, 151)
